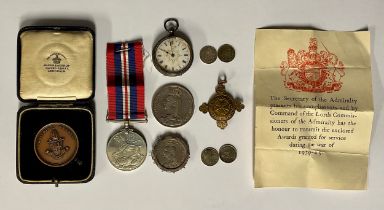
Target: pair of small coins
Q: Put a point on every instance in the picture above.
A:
(208, 54)
(227, 153)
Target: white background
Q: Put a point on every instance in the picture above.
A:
(224, 186)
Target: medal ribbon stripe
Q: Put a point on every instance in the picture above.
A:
(118, 83)
(132, 81)
(139, 81)
(111, 81)
(125, 80)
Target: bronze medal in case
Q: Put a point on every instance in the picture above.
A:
(56, 144)
(55, 132)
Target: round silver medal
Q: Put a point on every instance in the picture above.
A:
(127, 149)
(170, 152)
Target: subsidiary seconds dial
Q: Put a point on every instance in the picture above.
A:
(173, 54)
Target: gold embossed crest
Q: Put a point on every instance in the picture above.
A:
(222, 105)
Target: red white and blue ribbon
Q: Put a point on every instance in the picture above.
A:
(125, 81)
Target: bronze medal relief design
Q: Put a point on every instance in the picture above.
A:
(222, 105)
(170, 152)
(173, 105)
(56, 144)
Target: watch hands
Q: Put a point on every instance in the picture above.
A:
(174, 54)
(165, 51)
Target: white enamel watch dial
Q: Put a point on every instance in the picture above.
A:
(173, 55)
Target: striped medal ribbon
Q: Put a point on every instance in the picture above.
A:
(125, 81)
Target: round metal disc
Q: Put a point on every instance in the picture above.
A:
(56, 144)
(208, 54)
(209, 156)
(228, 153)
(126, 149)
(171, 152)
(226, 53)
(221, 107)
(172, 55)
(173, 105)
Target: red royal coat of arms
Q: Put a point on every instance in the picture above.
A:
(312, 71)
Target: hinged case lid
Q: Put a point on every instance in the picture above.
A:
(55, 63)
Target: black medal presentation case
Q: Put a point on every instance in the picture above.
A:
(56, 129)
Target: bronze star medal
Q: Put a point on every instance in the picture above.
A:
(222, 105)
